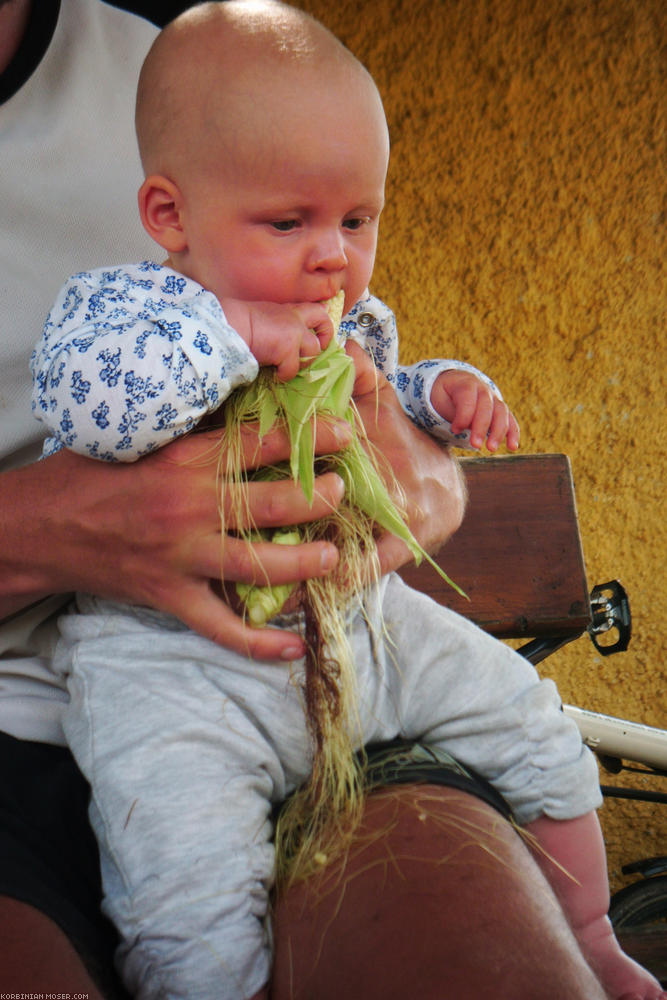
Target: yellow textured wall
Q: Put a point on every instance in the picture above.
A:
(525, 232)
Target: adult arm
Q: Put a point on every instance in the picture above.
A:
(149, 533)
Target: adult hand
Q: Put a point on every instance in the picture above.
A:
(149, 533)
(427, 473)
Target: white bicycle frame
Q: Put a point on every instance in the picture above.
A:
(620, 738)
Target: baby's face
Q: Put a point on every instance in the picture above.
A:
(293, 216)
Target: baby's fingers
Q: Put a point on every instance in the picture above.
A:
(513, 433)
(301, 351)
(472, 408)
(503, 427)
(323, 329)
(482, 419)
(310, 335)
(317, 323)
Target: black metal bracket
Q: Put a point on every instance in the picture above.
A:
(610, 609)
(538, 649)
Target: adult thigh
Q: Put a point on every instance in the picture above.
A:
(36, 957)
(438, 896)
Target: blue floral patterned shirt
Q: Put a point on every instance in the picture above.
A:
(132, 357)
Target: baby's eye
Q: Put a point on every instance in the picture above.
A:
(284, 225)
(354, 224)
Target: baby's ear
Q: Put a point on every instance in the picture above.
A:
(160, 208)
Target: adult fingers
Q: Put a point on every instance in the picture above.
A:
(367, 377)
(392, 553)
(281, 503)
(207, 614)
(271, 563)
(330, 435)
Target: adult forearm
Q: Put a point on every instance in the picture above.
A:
(24, 526)
(150, 533)
(70, 523)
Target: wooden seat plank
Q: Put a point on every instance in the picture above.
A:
(518, 553)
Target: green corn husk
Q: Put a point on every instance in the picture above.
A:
(263, 602)
(366, 491)
(319, 819)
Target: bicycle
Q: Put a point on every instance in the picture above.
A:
(638, 910)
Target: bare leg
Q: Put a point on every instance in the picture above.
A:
(37, 957)
(573, 859)
(438, 896)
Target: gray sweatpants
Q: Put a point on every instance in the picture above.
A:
(187, 747)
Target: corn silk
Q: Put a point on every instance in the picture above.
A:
(318, 820)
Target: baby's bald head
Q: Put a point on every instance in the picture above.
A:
(223, 77)
(253, 120)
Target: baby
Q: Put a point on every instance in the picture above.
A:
(265, 149)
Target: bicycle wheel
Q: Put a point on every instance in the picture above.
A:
(641, 903)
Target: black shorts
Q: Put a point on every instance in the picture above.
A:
(48, 852)
(402, 762)
(49, 856)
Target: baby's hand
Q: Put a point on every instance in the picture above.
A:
(469, 404)
(287, 335)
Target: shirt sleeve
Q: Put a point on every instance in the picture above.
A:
(372, 325)
(132, 358)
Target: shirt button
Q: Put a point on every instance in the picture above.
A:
(366, 319)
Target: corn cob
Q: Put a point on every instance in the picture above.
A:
(319, 818)
(324, 387)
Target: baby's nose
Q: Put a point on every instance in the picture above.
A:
(328, 253)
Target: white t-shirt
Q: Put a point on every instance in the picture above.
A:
(69, 173)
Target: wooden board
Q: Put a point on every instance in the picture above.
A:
(518, 553)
